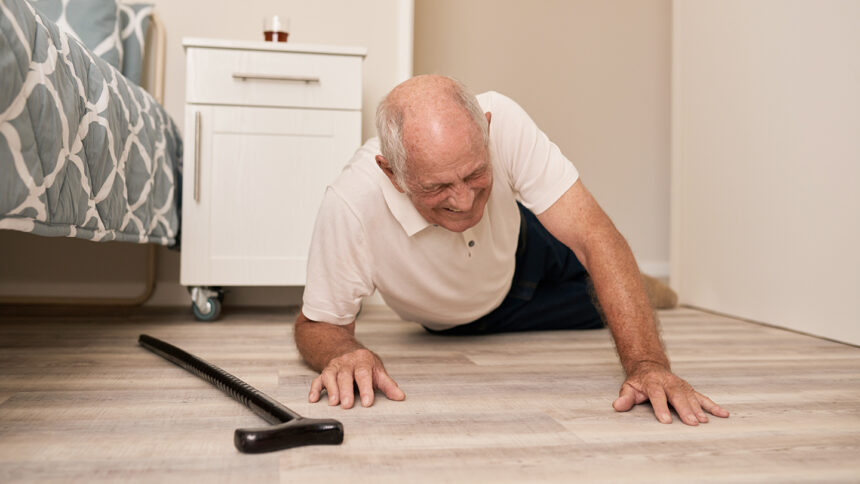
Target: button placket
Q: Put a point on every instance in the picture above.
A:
(469, 240)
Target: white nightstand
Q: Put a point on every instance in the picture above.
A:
(267, 127)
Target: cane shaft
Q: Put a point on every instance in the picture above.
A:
(260, 403)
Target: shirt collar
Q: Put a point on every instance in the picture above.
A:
(401, 207)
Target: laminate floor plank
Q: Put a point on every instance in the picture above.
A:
(80, 401)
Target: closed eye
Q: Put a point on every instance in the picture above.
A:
(477, 174)
(434, 188)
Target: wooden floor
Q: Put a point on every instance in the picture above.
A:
(81, 401)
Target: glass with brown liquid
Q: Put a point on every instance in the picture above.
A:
(272, 36)
(276, 29)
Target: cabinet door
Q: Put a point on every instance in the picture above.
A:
(262, 176)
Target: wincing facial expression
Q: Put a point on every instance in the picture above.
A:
(451, 193)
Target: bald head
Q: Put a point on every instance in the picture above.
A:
(428, 117)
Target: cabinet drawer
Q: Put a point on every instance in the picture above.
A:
(277, 79)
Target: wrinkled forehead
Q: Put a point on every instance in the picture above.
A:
(451, 133)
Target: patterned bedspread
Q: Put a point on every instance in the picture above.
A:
(83, 151)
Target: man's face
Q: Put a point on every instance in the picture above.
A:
(451, 192)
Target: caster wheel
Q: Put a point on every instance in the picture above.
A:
(210, 312)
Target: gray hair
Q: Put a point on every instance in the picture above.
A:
(389, 126)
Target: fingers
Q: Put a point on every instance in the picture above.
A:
(388, 386)
(345, 389)
(696, 407)
(364, 381)
(626, 398)
(680, 400)
(361, 368)
(316, 390)
(663, 389)
(338, 386)
(329, 381)
(659, 403)
(711, 407)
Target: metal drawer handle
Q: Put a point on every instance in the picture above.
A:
(271, 77)
(197, 156)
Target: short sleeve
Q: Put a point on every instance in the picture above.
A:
(539, 173)
(338, 275)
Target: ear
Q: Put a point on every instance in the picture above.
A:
(489, 116)
(383, 165)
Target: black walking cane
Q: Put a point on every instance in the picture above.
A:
(289, 428)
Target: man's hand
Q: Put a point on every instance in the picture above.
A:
(655, 382)
(342, 361)
(363, 368)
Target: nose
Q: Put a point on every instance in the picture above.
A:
(461, 198)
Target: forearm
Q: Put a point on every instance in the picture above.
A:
(625, 304)
(319, 343)
(578, 221)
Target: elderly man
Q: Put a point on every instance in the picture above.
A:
(468, 220)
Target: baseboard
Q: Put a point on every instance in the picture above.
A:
(72, 289)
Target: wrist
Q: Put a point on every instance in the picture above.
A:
(640, 365)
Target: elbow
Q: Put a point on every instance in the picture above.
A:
(300, 326)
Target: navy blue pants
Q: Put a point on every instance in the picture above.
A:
(550, 290)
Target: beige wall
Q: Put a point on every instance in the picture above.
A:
(594, 75)
(114, 269)
(766, 193)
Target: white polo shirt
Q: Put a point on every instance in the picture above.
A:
(368, 236)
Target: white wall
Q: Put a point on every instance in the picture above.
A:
(766, 161)
(594, 75)
(32, 266)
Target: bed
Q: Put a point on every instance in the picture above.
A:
(84, 151)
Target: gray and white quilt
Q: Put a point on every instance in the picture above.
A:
(84, 152)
